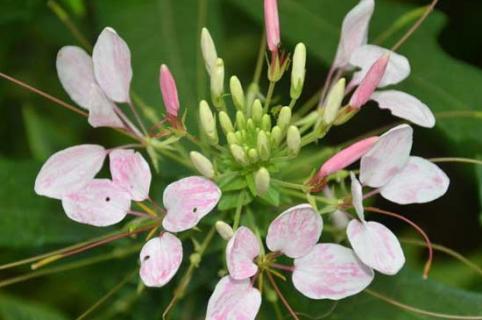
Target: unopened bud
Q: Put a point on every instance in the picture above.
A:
(263, 146)
(208, 50)
(271, 21)
(232, 139)
(217, 83)
(169, 91)
(284, 118)
(266, 123)
(202, 164)
(225, 122)
(293, 140)
(239, 154)
(253, 155)
(257, 111)
(334, 101)
(224, 230)
(208, 124)
(298, 71)
(276, 135)
(261, 180)
(250, 126)
(237, 93)
(240, 121)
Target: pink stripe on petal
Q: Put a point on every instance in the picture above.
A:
(376, 246)
(99, 203)
(160, 259)
(69, 170)
(295, 232)
(187, 201)
(330, 271)
(241, 250)
(233, 300)
(169, 91)
(271, 21)
(101, 110)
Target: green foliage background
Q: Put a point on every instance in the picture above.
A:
(445, 55)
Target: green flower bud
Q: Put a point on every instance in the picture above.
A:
(240, 135)
(266, 123)
(253, 155)
(225, 122)
(224, 230)
(263, 146)
(250, 126)
(298, 71)
(334, 101)
(293, 140)
(284, 118)
(277, 67)
(257, 111)
(217, 83)
(239, 154)
(232, 139)
(208, 50)
(237, 93)
(208, 123)
(202, 164)
(240, 121)
(261, 180)
(276, 136)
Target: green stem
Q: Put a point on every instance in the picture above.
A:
(455, 159)
(269, 95)
(239, 209)
(290, 185)
(260, 59)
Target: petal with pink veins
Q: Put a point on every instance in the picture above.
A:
(69, 170)
(160, 259)
(187, 201)
(420, 181)
(112, 65)
(295, 231)
(241, 250)
(357, 196)
(376, 246)
(387, 157)
(99, 203)
(233, 300)
(330, 271)
(102, 110)
(405, 106)
(131, 172)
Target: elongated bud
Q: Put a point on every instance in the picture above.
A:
(263, 145)
(224, 230)
(202, 164)
(169, 91)
(240, 121)
(284, 118)
(369, 84)
(262, 180)
(257, 111)
(271, 21)
(298, 71)
(293, 140)
(225, 122)
(239, 154)
(237, 93)
(217, 83)
(276, 135)
(208, 50)
(232, 139)
(334, 101)
(266, 123)
(208, 123)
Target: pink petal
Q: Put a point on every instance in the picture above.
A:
(387, 157)
(241, 250)
(233, 300)
(169, 91)
(112, 65)
(271, 21)
(330, 271)
(76, 73)
(68, 170)
(187, 201)
(398, 68)
(160, 259)
(405, 106)
(357, 196)
(131, 172)
(99, 203)
(101, 110)
(376, 246)
(354, 31)
(420, 181)
(295, 232)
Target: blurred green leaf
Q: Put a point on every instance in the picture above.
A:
(16, 309)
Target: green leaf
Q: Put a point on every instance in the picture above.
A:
(16, 309)
(230, 200)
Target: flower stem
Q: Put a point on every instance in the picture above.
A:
(269, 95)
(260, 59)
(281, 296)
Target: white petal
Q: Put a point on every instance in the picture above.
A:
(330, 271)
(241, 250)
(364, 57)
(420, 181)
(387, 157)
(112, 65)
(131, 171)
(76, 73)
(295, 231)
(187, 201)
(101, 110)
(160, 259)
(99, 203)
(357, 196)
(354, 31)
(233, 300)
(376, 246)
(68, 170)
(405, 106)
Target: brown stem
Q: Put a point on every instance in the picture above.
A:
(281, 296)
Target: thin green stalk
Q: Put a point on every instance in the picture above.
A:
(239, 209)
(290, 185)
(456, 159)
(260, 59)
(269, 95)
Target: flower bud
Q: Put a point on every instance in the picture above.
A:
(169, 91)
(239, 154)
(237, 93)
(293, 140)
(208, 50)
(271, 21)
(250, 126)
(263, 146)
(284, 118)
(257, 111)
(202, 164)
(334, 101)
(232, 139)
(217, 83)
(276, 135)
(240, 120)
(261, 181)
(224, 230)
(208, 123)
(253, 155)
(225, 122)
(298, 71)
(266, 123)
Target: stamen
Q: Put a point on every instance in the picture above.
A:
(280, 295)
(455, 159)
(282, 267)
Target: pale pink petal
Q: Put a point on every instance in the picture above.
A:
(354, 31)
(68, 170)
(160, 259)
(295, 231)
(76, 73)
(131, 172)
(357, 196)
(387, 157)
(405, 106)
(169, 91)
(271, 21)
(398, 68)
(330, 271)
(187, 201)
(112, 65)
(376, 246)
(241, 250)
(101, 110)
(233, 300)
(420, 181)
(99, 203)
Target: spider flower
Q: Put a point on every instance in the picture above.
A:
(169, 92)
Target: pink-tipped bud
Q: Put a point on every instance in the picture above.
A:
(271, 21)
(369, 84)
(169, 92)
